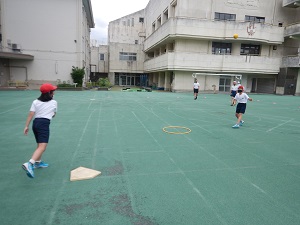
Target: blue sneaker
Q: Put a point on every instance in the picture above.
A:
(40, 164)
(28, 167)
(242, 122)
(236, 126)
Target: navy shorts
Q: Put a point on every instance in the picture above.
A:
(40, 128)
(241, 108)
(196, 90)
(233, 93)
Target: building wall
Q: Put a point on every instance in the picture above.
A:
(55, 32)
(190, 25)
(126, 35)
(97, 65)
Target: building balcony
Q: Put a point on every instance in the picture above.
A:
(203, 29)
(292, 31)
(291, 61)
(291, 3)
(187, 61)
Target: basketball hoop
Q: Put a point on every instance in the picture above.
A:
(251, 28)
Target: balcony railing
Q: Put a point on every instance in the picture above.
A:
(292, 30)
(291, 61)
(291, 3)
(214, 30)
(216, 63)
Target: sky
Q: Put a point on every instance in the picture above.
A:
(105, 11)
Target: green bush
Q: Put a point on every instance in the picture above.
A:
(77, 75)
(104, 82)
(65, 85)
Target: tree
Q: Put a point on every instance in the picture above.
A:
(77, 75)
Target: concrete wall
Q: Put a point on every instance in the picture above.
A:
(98, 65)
(55, 32)
(126, 35)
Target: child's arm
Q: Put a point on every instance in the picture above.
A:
(29, 118)
(250, 99)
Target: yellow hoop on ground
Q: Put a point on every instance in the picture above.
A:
(188, 130)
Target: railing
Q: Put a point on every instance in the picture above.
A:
(187, 61)
(291, 3)
(291, 61)
(214, 30)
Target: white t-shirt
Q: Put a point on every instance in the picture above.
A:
(234, 87)
(241, 98)
(196, 85)
(44, 109)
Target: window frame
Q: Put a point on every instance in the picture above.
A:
(254, 50)
(256, 19)
(221, 48)
(225, 16)
(101, 57)
(127, 56)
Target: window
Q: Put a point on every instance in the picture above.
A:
(159, 21)
(132, 22)
(136, 42)
(141, 20)
(128, 22)
(248, 49)
(165, 15)
(255, 19)
(153, 26)
(124, 23)
(224, 16)
(127, 56)
(101, 56)
(219, 48)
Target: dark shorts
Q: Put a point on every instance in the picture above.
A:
(241, 108)
(196, 90)
(233, 93)
(40, 128)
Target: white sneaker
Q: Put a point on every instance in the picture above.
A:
(236, 126)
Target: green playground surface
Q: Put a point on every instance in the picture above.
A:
(212, 175)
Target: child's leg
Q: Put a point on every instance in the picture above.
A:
(37, 155)
(239, 117)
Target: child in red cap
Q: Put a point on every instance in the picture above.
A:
(241, 98)
(42, 110)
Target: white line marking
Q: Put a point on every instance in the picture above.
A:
(279, 125)
(62, 187)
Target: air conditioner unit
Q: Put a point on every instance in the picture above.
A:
(15, 47)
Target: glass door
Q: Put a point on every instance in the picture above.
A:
(224, 85)
(122, 80)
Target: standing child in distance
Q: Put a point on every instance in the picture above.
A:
(196, 88)
(233, 91)
(42, 110)
(241, 98)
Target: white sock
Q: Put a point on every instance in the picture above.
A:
(32, 161)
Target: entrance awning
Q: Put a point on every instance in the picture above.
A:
(12, 55)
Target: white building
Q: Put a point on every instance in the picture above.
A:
(99, 61)
(179, 38)
(42, 40)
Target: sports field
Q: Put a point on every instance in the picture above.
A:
(214, 175)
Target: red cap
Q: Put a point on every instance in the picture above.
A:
(45, 88)
(241, 87)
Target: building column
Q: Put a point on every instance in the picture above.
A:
(167, 81)
(161, 80)
(297, 92)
